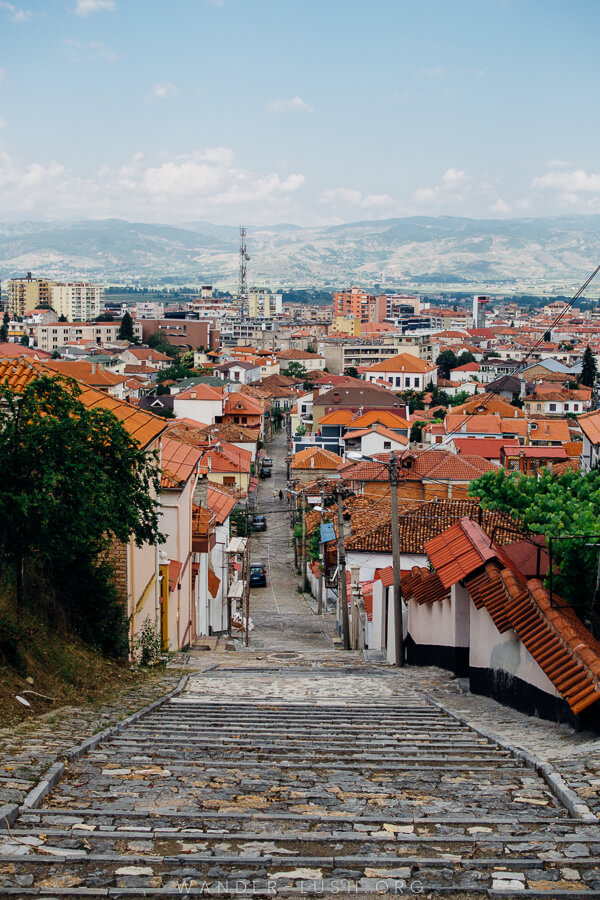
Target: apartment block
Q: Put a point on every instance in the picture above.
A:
(57, 334)
(25, 294)
(78, 301)
(263, 303)
(358, 304)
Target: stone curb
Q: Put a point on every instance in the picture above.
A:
(572, 802)
(55, 772)
(8, 814)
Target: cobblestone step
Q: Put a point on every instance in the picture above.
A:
(196, 797)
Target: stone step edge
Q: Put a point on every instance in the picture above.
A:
(573, 803)
(10, 811)
(474, 819)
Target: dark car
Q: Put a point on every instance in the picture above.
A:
(259, 523)
(258, 575)
(265, 472)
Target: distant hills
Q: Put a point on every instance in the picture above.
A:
(510, 255)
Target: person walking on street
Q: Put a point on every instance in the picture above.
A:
(280, 495)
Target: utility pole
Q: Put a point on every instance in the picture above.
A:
(321, 560)
(303, 508)
(343, 587)
(398, 617)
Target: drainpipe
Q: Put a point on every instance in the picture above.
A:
(157, 560)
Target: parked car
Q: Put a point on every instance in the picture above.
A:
(258, 575)
(259, 523)
(267, 461)
(265, 472)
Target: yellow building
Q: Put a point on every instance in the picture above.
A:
(345, 325)
(25, 294)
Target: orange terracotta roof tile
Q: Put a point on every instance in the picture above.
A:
(486, 404)
(174, 570)
(220, 503)
(590, 425)
(559, 642)
(460, 550)
(179, 461)
(316, 458)
(423, 586)
(214, 583)
(403, 362)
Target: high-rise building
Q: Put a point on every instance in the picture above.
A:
(262, 303)
(479, 304)
(25, 294)
(78, 301)
(356, 303)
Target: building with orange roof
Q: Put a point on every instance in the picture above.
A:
(402, 372)
(314, 462)
(590, 450)
(201, 403)
(241, 409)
(92, 374)
(474, 611)
(374, 439)
(548, 401)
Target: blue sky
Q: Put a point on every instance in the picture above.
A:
(311, 112)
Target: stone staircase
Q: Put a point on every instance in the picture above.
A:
(338, 782)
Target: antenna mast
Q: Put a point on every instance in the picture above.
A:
(243, 287)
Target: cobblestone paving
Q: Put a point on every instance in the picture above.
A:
(27, 750)
(283, 618)
(300, 773)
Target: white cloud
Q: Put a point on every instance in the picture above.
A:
(14, 13)
(82, 52)
(575, 181)
(187, 186)
(85, 7)
(163, 89)
(294, 104)
(353, 197)
(3, 122)
(436, 72)
(500, 207)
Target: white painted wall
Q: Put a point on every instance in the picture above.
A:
(205, 411)
(505, 652)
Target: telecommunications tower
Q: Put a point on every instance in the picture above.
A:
(243, 287)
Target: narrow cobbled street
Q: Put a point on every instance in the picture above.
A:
(293, 768)
(282, 617)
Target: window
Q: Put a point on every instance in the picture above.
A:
(407, 381)
(553, 407)
(539, 407)
(387, 445)
(576, 407)
(398, 381)
(229, 480)
(417, 381)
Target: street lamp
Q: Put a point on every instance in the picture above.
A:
(392, 467)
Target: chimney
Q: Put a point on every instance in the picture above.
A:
(312, 462)
(93, 368)
(201, 491)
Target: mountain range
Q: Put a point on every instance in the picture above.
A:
(551, 254)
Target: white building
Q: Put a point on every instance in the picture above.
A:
(78, 301)
(402, 372)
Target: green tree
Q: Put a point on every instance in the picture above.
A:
(465, 357)
(25, 340)
(126, 329)
(158, 341)
(445, 362)
(589, 369)
(55, 355)
(416, 430)
(556, 507)
(62, 318)
(295, 370)
(460, 398)
(3, 333)
(72, 480)
(413, 399)
(352, 371)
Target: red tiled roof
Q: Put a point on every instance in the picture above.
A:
(174, 570)
(214, 583)
(178, 460)
(386, 576)
(200, 392)
(559, 642)
(316, 458)
(488, 448)
(424, 586)
(220, 503)
(460, 550)
(403, 362)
